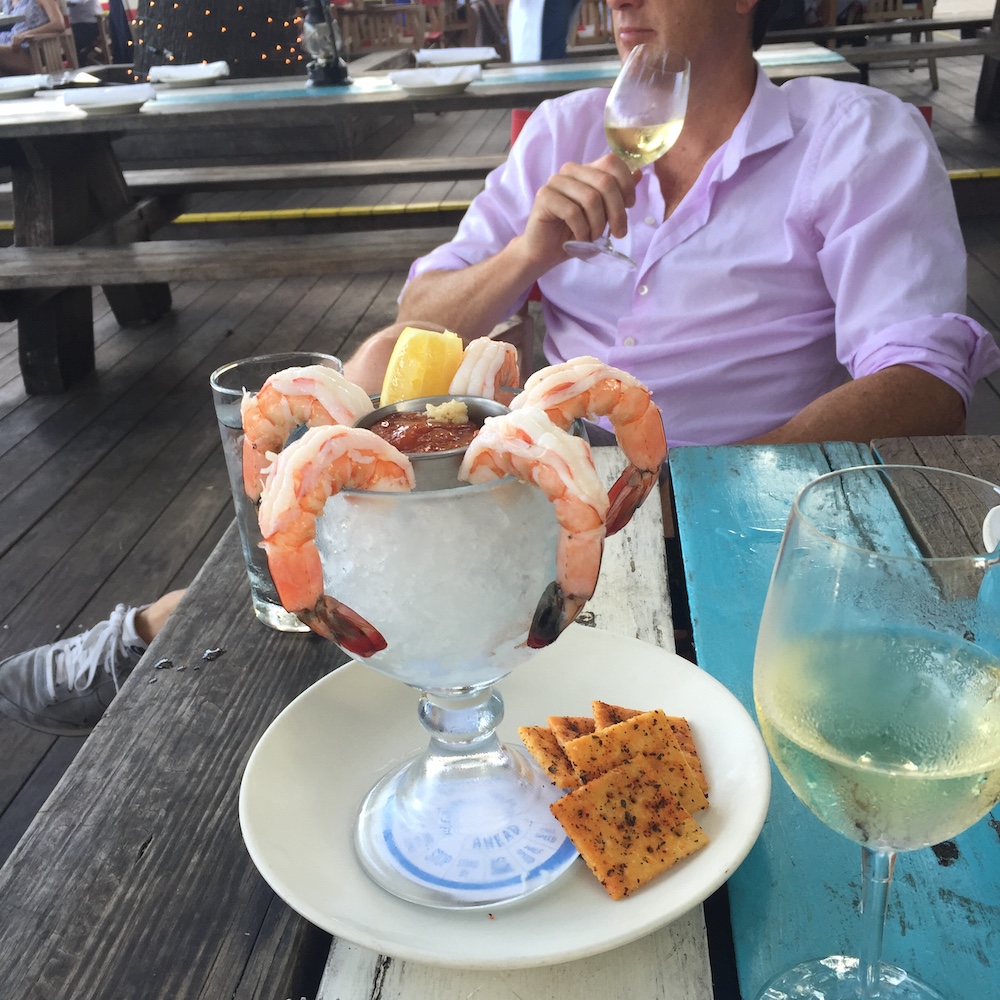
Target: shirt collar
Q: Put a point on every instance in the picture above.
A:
(766, 123)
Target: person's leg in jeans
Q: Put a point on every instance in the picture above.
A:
(558, 18)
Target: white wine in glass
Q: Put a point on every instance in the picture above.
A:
(877, 685)
(643, 117)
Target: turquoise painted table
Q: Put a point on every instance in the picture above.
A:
(796, 895)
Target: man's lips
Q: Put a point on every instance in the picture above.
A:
(632, 35)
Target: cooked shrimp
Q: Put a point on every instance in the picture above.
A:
(313, 395)
(303, 477)
(586, 387)
(488, 369)
(527, 444)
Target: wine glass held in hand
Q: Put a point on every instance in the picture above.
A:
(877, 683)
(643, 117)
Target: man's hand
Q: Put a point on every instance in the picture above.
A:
(578, 203)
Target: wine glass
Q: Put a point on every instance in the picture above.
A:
(877, 683)
(643, 117)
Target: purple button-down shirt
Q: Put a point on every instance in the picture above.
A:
(820, 242)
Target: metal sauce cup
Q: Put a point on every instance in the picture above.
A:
(437, 470)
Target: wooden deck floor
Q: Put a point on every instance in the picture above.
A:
(116, 490)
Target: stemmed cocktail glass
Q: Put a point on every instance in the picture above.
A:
(877, 683)
(451, 578)
(643, 117)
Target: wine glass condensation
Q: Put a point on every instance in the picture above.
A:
(643, 118)
(877, 684)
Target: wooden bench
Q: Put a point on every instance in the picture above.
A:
(283, 176)
(984, 44)
(966, 25)
(207, 260)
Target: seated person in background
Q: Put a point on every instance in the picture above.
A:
(83, 16)
(39, 17)
(540, 29)
(784, 291)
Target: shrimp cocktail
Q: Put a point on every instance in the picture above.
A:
(445, 569)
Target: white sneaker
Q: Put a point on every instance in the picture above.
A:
(63, 688)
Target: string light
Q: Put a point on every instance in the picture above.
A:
(280, 34)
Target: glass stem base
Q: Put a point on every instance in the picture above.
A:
(600, 251)
(467, 822)
(836, 978)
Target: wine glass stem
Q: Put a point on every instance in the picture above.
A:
(876, 874)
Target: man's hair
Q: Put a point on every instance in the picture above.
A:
(761, 15)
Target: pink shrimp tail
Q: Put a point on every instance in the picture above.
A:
(335, 621)
(555, 611)
(626, 496)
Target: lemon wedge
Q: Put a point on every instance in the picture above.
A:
(422, 363)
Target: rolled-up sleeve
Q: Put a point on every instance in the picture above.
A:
(892, 253)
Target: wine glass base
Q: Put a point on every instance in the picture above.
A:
(599, 252)
(836, 978)
(474, 843)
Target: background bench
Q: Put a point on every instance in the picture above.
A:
(207, 260)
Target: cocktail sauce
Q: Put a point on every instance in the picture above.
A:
(418, 434)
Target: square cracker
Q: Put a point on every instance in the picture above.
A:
(646, 733)
(685, 740)
(606, 715)
(628, 826)
(569, 727)
(542, 744)
(609, 715)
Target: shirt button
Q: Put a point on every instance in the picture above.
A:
(642, 289)
(629, 341)
(650, 221)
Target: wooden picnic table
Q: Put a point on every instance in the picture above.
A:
(133, 879)
(795, 896)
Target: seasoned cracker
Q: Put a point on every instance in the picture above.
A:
(569, 727)
(647, 733)
(606, 715)
(541, 743)
(628, 826)
(609, 715)
(685, 740)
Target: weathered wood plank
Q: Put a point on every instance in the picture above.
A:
(247, 177)
(188, 865)
(976, 455)
(193, 260)
(966, 24)
(865, 55)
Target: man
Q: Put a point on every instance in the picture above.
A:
(801, 271)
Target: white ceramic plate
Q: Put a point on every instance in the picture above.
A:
(108, 100)
(309, 772)
(205, 80)
(13, 87)
(462, 56)
(189, 75)
(433, 81)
